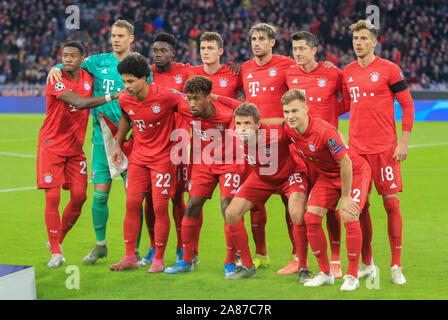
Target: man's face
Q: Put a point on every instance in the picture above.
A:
(302, 52)
(132, 84)
(198, 103)
(71, 59)
(246, 127)
(295, 113)
(261, 44)
(210, 52)
(163, 53)
(121, 39)
(364, 43)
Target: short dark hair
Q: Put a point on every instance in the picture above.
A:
(310, 38)
(166, 37)
(266, 28)
(247, 109)
(198, 84)
(212, 36)
(75, 44)
(135, 64)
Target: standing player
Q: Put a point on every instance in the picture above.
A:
(321, 86)
(264, 82)
(60, 157)
(169, 74)
(150, 108)
(266, 148)
(106, 80)
(371, 84)
(331, 176)
(210, 121)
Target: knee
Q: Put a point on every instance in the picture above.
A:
(194, 207)
(347, 217)
(231, 215)
(312, 220)
(100, 198)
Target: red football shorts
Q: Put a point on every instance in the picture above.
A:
(54, 170)
(258, 191)
(204, 179)
(361, 185)
(182, 178)
(160, 180)
(386, 171)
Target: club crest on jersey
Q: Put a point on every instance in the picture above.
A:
(374, 76)
(48, 177)
(223, 82)
(272, 72)
(178, 79)
(86, 86)
(59, 86)
(312, 147)
(156, 108)
(220, 127)
(321, 82)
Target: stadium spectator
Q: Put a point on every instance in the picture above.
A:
(413, 33)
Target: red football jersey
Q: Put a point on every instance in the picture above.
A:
(320, 145)
(218, 135)
(321, 87)
(152, 122)
(224, 82)
(265, 85)
(372, 115)
(174, 78)
(64, 127)
(273, 145)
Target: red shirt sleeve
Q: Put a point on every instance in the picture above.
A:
(403, 95)
(232, 103)
(56, 89)
(334, 143)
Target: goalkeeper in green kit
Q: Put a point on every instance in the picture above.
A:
(106, 80)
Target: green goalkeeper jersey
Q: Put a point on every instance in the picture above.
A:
(106, 80)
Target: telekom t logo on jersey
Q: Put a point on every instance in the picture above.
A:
(354, 93)
(108, 85)
(140, 124)
(254, 87)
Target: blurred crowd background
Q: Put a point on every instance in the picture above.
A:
(413, 33)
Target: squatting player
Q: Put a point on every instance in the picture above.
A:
(266, 149)
(106, 80)
(330, 174)
(371, 84)
(60, 157)
(211, 164)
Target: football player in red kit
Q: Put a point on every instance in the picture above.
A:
(60, 157)
(371, 85)
(331, 172)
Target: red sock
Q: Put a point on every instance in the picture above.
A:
(395, 228)
(190, 227)
(198, 233)
(132, 220)
(366, 229)
(52, 220)
(291, 232)
(334, 233)
(73, 209)
(353, 240)
(240, 239)
(301, 241)
(161, 226)
(150, 220)
(178, 213)
(258, 218)
(317, 240)
(231, 252)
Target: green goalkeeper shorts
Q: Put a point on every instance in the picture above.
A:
(100, 166)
